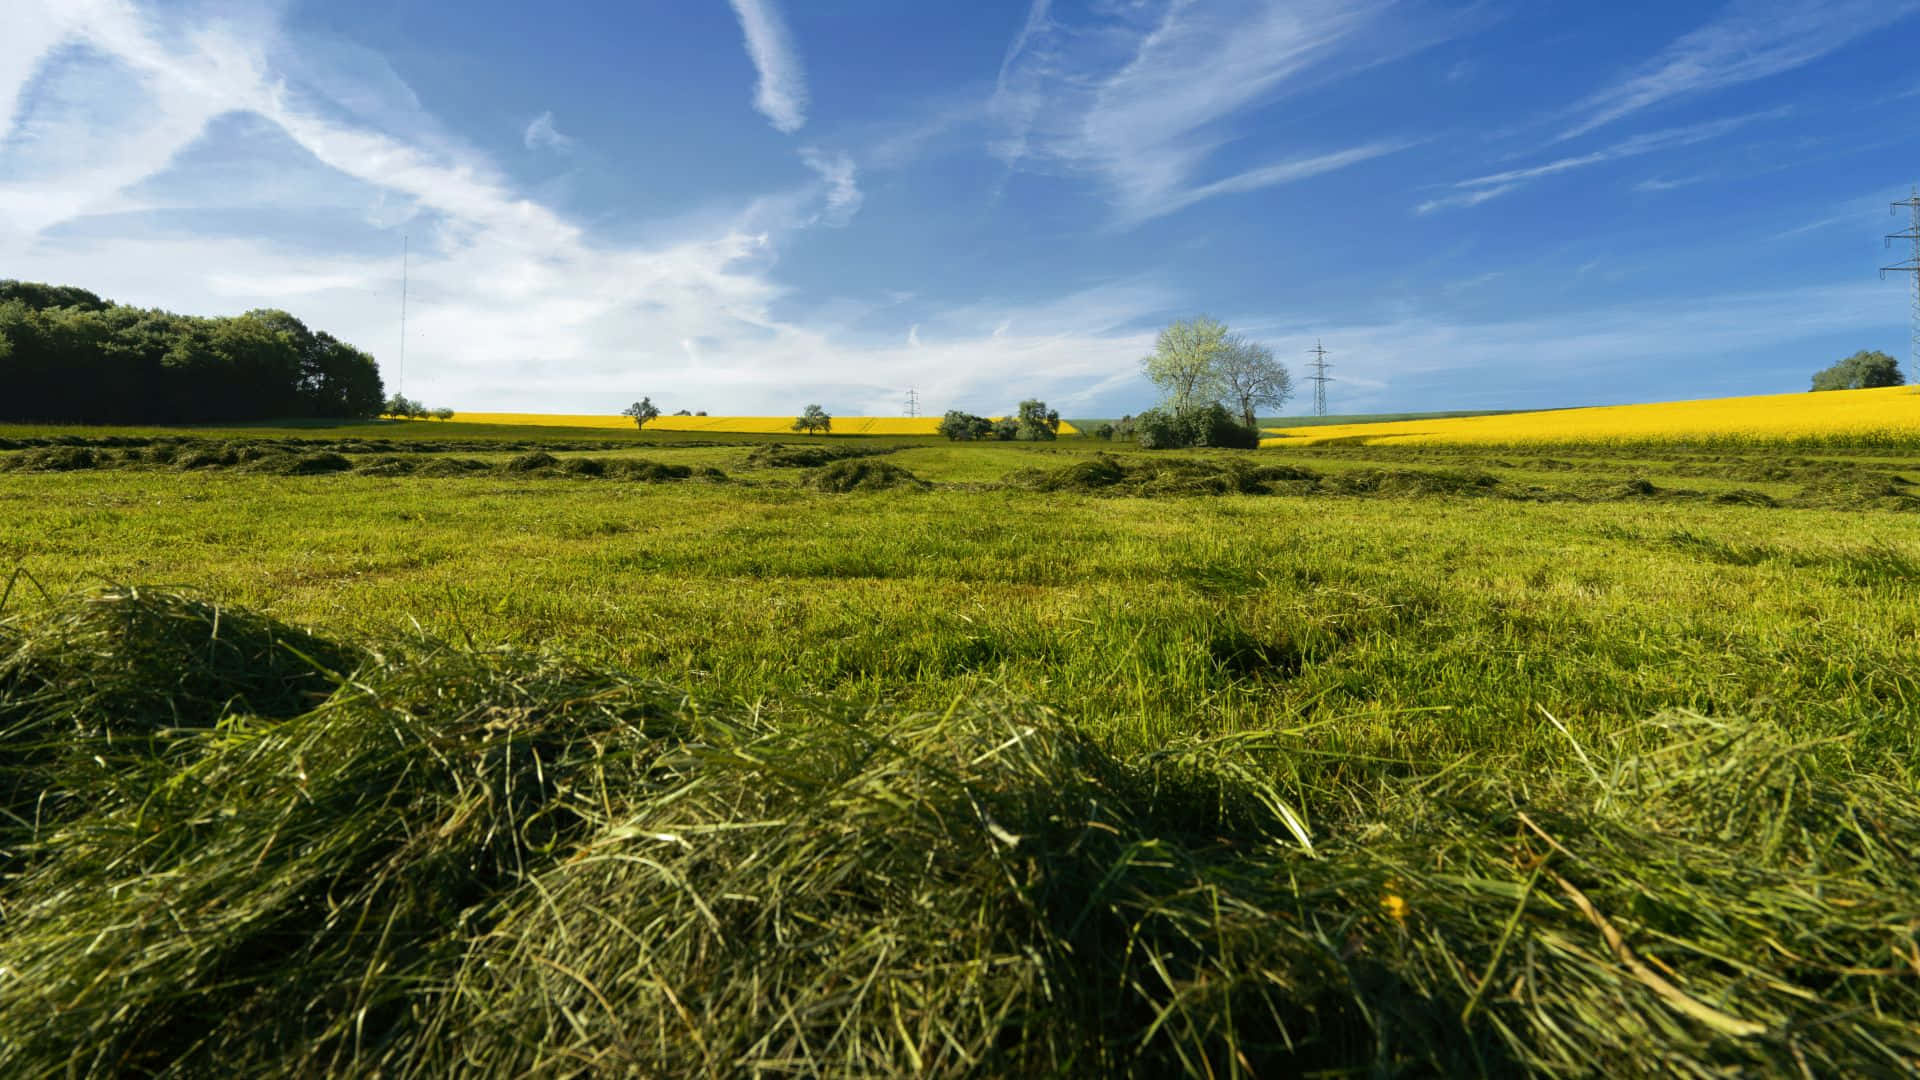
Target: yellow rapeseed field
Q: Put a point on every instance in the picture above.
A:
(1891, 414)
(754, 425)
(542, 419)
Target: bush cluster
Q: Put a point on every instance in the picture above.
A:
(1032, 422)
(1164, 428)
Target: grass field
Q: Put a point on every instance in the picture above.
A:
(669, 756)
(1888, 417)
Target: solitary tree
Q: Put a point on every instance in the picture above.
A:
(1037, 422)
(1861, 371)
(641, 411)
(1185, 362)
(814, 419)
(1252, 377)
(443, 413)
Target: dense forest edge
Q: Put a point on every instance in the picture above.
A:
(67, 355)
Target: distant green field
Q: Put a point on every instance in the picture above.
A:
(1380, 418)
(669, 756)
(1347, 418)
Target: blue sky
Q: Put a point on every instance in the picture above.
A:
(747, 205)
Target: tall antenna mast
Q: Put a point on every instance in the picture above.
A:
(400, 379)
(1910, 265)
(913, 402)
(1319, 378)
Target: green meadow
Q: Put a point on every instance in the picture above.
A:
(402, 749)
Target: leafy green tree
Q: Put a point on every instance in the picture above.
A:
(1185, 363)
(1251, 377)
(1006, 429)
(964, 426)
(78, 357)
(405, 408)
(38, 297)
(1861, 371)
(1104, 432)
(1037, 422)
(814, 419)
(443, 413)
(641, 411)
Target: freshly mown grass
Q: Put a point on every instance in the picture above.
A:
(511, 862)
(1342, 762)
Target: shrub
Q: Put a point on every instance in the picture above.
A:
(964, 427)
(1104, 432)
(1006, 429)
(1204, 425)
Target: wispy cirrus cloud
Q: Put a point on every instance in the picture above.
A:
(542, 135)
(781, 94)
(1141, 96)
(1481, 189)
(188, 163)
(1750, 40)
(841, 177)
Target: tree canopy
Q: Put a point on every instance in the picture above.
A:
(1250, 378)
(641, 411)
(814, 419)
(1196, 363)
(1185, 361)
(68, 355)
(1863, 370)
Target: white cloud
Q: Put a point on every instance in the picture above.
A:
(1655, 184)
(1465, 198)
(1750, 40)
(1482, 189)
(541, 134)
(512, 305)
(1141, 95)
(781, 95)
(838, 173)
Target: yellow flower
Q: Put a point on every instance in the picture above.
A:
(1395, 907)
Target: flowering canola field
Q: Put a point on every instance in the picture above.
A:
(1888, 415)
(752, 425)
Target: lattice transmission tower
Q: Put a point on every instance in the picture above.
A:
(913, 402)
(1909, 265)
(1319, 378)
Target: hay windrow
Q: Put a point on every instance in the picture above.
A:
(783, 456)
(861, 474)
(447, 859)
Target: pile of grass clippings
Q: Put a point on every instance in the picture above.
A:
(412, 858)
(861, 474)
(52, 459)
(782, 456)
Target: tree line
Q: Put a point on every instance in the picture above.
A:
(67, 355)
